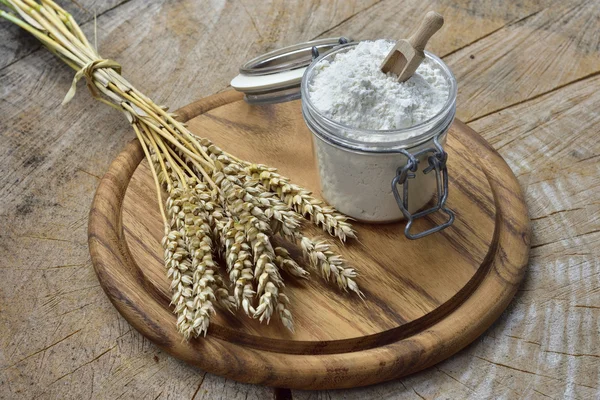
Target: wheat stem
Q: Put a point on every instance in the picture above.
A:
(154, 176)
(150, 136)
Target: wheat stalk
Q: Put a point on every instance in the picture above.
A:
(216, 205)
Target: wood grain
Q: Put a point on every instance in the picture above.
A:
(51, 158)
(420, 307)
(511, 51)
(397, 19)
(551, 46)
(16, 44)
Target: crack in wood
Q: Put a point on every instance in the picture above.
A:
(537, 96)
(453, 378)
(82, 24)
(545, 395)
(492, 32)
(418, 394)
(44, 349)
(571, 354)
(83, 365)
(533, 373)
(346, 19)
(556, 212)
(523, 340)
(89, 173)
(199, 386)
(584, 306)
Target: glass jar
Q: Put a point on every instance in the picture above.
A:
(391, 175)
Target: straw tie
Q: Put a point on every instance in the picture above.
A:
(87, 72)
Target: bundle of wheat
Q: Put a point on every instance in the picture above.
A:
(216, 205)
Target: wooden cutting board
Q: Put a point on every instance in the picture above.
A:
(425, 299)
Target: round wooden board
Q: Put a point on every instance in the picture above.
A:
(425, 299)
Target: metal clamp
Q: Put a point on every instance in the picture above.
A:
(437, 161)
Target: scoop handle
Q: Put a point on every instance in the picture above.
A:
(430, 25)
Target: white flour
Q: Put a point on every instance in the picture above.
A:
(353, 91)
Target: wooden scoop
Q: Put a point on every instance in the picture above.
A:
(406, 56)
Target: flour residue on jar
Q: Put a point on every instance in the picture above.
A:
(359, 185)
(351, 90)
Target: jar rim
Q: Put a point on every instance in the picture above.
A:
(390, 139)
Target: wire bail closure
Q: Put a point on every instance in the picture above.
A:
(437, 162)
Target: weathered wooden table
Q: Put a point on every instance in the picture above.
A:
(529, 82)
